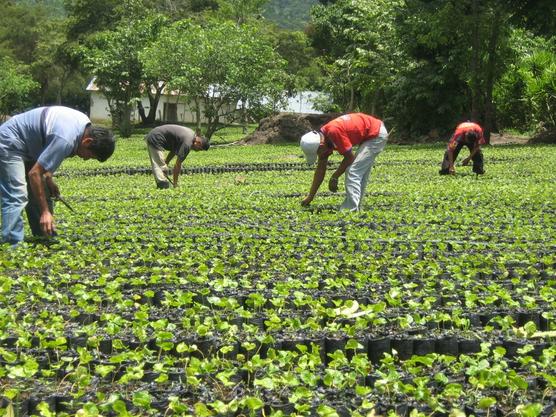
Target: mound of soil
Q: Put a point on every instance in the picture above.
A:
(548, 136)
(286, 127)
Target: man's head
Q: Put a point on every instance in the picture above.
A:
(471, 136)
(97, 143)
(310, 143)
(200, 143)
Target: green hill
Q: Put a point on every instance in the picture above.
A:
(52, 7)
(289, 14)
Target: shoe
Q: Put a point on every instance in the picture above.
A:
(162, 185)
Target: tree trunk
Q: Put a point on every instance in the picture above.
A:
(125, 120)
(243, 117)
(475, 67)
(43, 90)
(153, 101)
(351, 104)
(141, 111)
(63, 80)
(197, 115)
(490, 71)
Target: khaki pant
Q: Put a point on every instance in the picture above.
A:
(357, 174)
(159, 167)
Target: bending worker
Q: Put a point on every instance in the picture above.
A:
(32, 146)
(178, 140)
(467, 134)
(342, 134)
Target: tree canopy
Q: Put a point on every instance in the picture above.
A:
(215, 66)
(16, 84)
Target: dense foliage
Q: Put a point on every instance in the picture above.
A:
(226, 64)
(397, 59)
(225, 297)
(526, 94)
(15, 85)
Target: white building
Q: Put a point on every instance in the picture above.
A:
(303, 102)
(172, 107)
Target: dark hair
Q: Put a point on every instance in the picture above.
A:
(472, 135)
(205, 142)
(103, 143)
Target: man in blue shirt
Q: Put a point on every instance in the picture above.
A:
(32, 146)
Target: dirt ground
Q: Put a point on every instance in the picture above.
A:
(502, 139)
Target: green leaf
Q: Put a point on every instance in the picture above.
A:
(142, 399)
(529, 410)
(253, 403)
(486, 402)
(267, 383)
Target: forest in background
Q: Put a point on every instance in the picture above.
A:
(289, 14)
(405, 61)
(286, 14)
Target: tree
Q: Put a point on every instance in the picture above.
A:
(18, 31)
(113, 58)
(240, 11)
(53, 62)
(356, 42)
(526, 94)
(15, 86)
(537, 16)
(216, 66)
(461, 63)
(35, 34)
(301, 60)
(456, 64)
(539, 74)
(88, 17)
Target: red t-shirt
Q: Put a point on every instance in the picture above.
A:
(459, 134)
(351, 129)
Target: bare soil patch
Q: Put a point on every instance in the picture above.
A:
(507, 139)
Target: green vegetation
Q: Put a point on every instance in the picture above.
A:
(15, 86)
(404, 61)
(225, 297)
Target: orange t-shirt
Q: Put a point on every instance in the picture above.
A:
(459, 134)
(351, 129)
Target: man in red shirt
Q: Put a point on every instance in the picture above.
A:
(467, 134)
(342, 134)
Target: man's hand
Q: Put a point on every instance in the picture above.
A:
(47, 223)
(306, 201)
(333, 184)
(465, 161)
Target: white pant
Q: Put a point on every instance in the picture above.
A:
(158, 164)
(357, 174)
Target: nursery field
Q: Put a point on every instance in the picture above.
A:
(224, 297)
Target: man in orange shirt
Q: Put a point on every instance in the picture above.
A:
(342, 134)
(467, 134)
